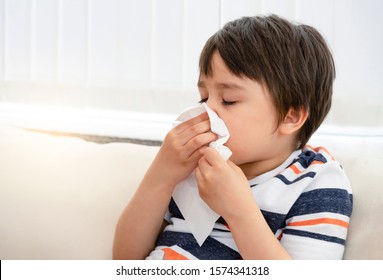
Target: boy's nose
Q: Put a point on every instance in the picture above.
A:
(212, 106)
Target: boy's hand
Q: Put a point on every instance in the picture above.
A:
(223, 185)
(183, 146)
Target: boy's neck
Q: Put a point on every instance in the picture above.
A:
(254, 169)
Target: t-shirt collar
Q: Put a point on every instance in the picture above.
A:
(272, 173)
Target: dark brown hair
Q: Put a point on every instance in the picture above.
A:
(292, 60)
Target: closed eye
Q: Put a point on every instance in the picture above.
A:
(224, 102)
(228, 103)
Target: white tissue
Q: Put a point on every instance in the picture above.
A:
(198, 216)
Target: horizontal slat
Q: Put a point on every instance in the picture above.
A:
(17, 39)
(142, 55)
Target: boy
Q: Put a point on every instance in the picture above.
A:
(270, 81)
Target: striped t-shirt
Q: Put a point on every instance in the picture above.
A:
(306, 201)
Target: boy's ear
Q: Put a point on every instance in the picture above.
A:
(293, 121)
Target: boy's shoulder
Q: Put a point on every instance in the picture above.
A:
(314, 159)
(318, 167)
(313, 179)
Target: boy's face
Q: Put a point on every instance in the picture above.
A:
(247, 109)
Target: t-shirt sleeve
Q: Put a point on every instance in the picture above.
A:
(316, 225)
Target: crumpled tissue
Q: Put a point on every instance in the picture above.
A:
(199, 218)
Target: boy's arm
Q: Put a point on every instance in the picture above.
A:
(254, 238)
(142, 219)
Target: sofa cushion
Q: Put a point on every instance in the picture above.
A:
(60, 197)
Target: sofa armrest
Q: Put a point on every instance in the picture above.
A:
(61, 197)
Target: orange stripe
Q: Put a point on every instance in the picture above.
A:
(170, 254)
(319, 221)
(295, 169)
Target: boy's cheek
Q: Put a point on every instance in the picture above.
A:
(234, 149)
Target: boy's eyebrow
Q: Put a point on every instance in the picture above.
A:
(230, 86)
(222, 85)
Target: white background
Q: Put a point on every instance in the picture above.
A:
(78, 62)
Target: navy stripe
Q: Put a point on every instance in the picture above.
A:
(211, 249)
(221, 230)
(174, 210)
(274, 220)
(221, 221)
(322, 200)
(288, 182)
(313, 235)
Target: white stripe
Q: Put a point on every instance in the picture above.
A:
(303, 248)
(275, 196)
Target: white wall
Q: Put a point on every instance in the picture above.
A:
(142, 55)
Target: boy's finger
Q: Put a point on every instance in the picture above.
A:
(189, 123)
(203, 164)
(194, 146)
(213, 157)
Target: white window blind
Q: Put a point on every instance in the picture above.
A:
(142, 55)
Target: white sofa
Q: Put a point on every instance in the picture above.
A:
(60, 197)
